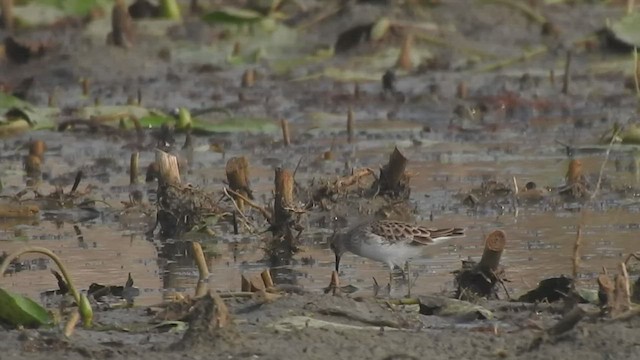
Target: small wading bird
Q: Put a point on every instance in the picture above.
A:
(391, 242)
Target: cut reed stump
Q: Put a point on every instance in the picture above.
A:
(6, 7)
(181, 208)
(238, 177)
(282, 245)
(393, 180)
(479, 279)
(121, 26)
(615, 296)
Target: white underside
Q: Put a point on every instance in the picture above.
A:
(390, 255)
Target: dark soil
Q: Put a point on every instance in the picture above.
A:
(521, 109)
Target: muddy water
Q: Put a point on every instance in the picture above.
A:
(540, 236)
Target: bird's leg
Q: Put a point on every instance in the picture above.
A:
(408, 280)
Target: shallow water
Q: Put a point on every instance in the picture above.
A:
(540, 237)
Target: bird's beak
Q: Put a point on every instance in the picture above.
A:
(337, 262)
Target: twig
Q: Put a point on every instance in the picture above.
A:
(320, 17)
(261, 209)
(576, 248)
(504, 287)
(604, 163)
(246, 222)
(636, 71)
(566, 79)
(520, 58)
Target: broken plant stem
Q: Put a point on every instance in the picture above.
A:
(539, 50)
(604, 163)
(203, 270)
(261, 209)
(576, 247)
(6, 8)
(133, 168)
(81, 299)
(201, 262)
(247, 223)
(70, 326)
(636, 72)
(566, 79)
(286, 137)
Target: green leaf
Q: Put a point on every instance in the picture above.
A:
(236, 125)
(170, 9)
(32, 117)
(7, 101)
(75, 7)
(19, 310)
(627, 29)
(184, 119)
(231, 15)
(155, 120)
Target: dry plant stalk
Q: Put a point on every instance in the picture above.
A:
(52, 100)
(605, 286)
(494, 246)
(133, 168)
(260, 208)
(245, 284)
(266, 279)
(32, 166)
(37, 148)
(286, 139)
(576, 247)
(248, 78)
(350, 126)
(461, 90)
(404, 59)
(203, 270)
(353, 179)
(574, 172)
(567, 73)
(6, 6)
(201, 262)
(265, 297)
(621, 292)
(636, 71)
(283, 195)
(168, 171)
(222, 311)
(84, 83)
(392, 177)
(236, 49)
(121, 26)
(70, 326)
(237, 170)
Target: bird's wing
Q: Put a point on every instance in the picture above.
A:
(397, 231)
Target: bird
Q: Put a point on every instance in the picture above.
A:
(389, 241)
